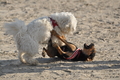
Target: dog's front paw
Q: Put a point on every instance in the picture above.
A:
(43, 53)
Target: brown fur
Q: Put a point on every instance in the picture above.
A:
(56, 50)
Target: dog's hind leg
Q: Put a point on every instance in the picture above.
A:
(59, 49)
(61, 52)
(50, 52)
(29, 59)
(20, 56)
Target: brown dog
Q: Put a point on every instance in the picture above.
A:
(69, 51)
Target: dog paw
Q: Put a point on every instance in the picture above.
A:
(34, 63)
(43, 54)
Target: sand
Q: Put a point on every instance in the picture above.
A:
(98, 23)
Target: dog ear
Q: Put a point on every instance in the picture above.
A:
(91, 45)
(85, 46)
(88, 46)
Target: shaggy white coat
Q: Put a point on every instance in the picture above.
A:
(28, 37)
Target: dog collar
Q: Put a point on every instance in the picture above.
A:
(54, 23)
(77, 52)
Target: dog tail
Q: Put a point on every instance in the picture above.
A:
(13, 28)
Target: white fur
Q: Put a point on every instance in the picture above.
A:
(29, 36)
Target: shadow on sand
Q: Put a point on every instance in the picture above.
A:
(14, 66)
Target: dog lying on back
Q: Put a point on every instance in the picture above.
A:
(69, 51)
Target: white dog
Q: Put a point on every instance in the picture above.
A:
(28, 37)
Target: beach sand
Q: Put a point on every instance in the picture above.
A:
(98, 23)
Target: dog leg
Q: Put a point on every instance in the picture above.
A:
(44, 52)
(20, 56)
(29, 59)
(59, 49)
(89, 59)
(49, 53)
(26, 59)
(62, 38)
